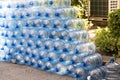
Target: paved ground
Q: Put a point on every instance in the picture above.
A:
(16, 72)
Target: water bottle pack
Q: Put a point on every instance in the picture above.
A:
(39, 12)
(32, 3)
(42, 34)
(42, 23)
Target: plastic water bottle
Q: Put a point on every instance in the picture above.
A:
(68, 47)
(98, 74)
(46, 23)
(58, 45)
(79, 73)
(23, 42)
(19, 58)
(52, 56)
(27, 52)
(57, 23)
(85, 47)
(58, 69)
(113, 71)
(63, 35)
(74, 23)
(24, 33)
(42, 34)
(69, 12)
(65, 3)
(93, 61)
(39, 44)
(37, 23)
(2, 54)
(48, 45)
(32, 34)
(53, 34)
(78, 35)
(42, 54)
(49, 13)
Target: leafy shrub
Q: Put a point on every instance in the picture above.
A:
(108, 39)
(105, 41)
(114, 23)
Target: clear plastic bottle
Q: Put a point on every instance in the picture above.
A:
(42, 34)
(85, 47)
(48, 45)
(93, 61)
(53, 34)
(68, 47)
(79, 73)
(63, 34)
(58, 45)
(98, 74)
(78, 35)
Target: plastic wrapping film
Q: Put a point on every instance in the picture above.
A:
(42, 34)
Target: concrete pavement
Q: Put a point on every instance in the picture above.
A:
(20, 72)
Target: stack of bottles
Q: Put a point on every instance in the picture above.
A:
(42, 34)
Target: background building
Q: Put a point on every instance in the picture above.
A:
(99, 9)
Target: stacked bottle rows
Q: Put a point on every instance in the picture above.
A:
(40, 34)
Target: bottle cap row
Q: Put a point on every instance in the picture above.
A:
(30, 3)
(42, 23)
(89, 59)
(39, 12)
(48, 44)
(34, 34)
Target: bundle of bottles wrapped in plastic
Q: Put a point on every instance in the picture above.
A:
(42, 34)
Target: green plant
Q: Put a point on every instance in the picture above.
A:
(108, 39)
(105, 41)
(81, 5)
(114, 23)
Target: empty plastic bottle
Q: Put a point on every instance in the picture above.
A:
(78, 35)
(98, 74)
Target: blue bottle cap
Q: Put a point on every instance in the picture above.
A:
(46, 47)
(54, 26)
(17, 6)
(37, 46)
(69, 39)
(55, 48)
(51, 2)
(57, 70)
(2, 48)
(51, 36)
(29, 44)
(112, 60)
(22, 35)
(57, 14)
(17, 26)
(65, 50)
(39, 36)
(38, 14)
(22, 6)
(61, 60)
(13, 16)
(31, 3)
(27, 25)
(30, 36)
(47, 15)
(65, 26)
(27, 14)
(8, 6)
(44, 25)
(46, 68)
(13, 44)
(34, 25)
(21, 16)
